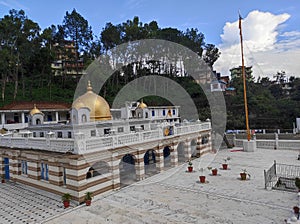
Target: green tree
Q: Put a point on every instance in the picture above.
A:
(211, 54)
(77, 29)
(111, 36)
(18, 35)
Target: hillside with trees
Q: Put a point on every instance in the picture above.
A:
(26, 54)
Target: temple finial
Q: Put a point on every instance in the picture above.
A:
(89, 87)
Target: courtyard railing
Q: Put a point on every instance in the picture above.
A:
(268, 143)
(83, 144)
(281, 177)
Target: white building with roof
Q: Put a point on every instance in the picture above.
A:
(99, 149)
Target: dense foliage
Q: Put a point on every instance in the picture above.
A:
(271, 104)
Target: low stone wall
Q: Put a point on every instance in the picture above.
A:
(268, 141)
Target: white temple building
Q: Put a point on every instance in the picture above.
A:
(92, 148)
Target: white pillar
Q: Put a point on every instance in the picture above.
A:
(160, 159)
(140, 168)
(56, 116)
(234, 139)
(249, 146)
(187, 149)
(174, 156)
(3, 118)
(276, 141)
(23, 118)
(115, 170)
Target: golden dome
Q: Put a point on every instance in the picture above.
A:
(35, 111)
(99, 108)
(142, 105)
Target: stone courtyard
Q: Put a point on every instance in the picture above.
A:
(173, 196)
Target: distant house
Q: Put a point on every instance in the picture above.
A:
(16, 115)
(237, 72)
(286, 87)
(218, 86)
(67, 60)
(230, 91)
(222, 85)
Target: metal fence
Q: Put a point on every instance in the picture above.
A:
(281, 177)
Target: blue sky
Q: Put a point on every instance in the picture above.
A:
(215, 18)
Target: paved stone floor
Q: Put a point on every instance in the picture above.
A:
(24, 204)
(176, 196)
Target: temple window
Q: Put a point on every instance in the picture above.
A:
(24, 167)
(83, 118)
(16, 117)
(64, 176)
(106, 131)
(44, 171)
(49, 117)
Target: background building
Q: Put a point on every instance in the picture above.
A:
(67, 60)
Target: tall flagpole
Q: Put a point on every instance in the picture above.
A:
(244, 80)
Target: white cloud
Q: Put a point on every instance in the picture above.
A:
(265, 48)
(13, 4)
(134, 4)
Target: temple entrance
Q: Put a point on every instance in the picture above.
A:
(127, 170)
(167, 157)
(150, 163)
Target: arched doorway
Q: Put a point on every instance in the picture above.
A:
(205, 139)
(127, 170)
(150, 163)
(167, 157)
(180, 153)
(97, 169)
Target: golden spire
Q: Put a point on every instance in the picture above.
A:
(142, 105)
(89, 87)
(35, 110)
